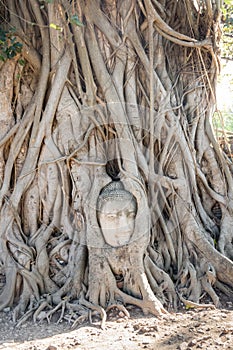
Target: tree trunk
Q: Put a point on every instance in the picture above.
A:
(114, 190)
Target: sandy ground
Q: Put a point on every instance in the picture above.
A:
(184, 330)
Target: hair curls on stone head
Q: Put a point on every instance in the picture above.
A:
(115, 191)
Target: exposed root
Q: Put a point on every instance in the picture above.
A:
(39, 310)
(97, 308)
(190, 304)
(79, 320)
(119, 307)
(164, 282)
(55, 309)
(25, 317)
(148, 306)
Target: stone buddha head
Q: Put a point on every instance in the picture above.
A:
(116, 211)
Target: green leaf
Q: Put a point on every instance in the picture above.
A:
(12, 30)
(187, 307)
(75, 20)
(21, 62)
(13, 39)
(54, 26)
(9, 47)
(2, 58)
(18, 45)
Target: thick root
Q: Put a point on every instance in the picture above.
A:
(191, 305)
(153, 306)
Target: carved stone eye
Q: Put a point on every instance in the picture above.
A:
(131, 214)
(112, 216)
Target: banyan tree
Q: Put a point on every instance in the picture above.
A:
(113, 188)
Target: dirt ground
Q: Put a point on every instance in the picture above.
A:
(185, 330)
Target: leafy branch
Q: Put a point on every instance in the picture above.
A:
(9, 46)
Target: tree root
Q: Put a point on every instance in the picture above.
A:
(152, 306)
(190, 304)
(79, 320)
(120, 307)
(25, 317)
(97, 308)
(165, 284)
(42, 306)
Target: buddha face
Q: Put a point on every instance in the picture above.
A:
(116, 219)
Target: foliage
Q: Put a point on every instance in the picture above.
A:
(223, 121)
(9, 46)
(75, 20)
(227, 20)
(224, 118)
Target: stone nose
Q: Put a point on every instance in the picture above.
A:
(122, 220)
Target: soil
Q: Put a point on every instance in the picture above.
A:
(184, 330)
